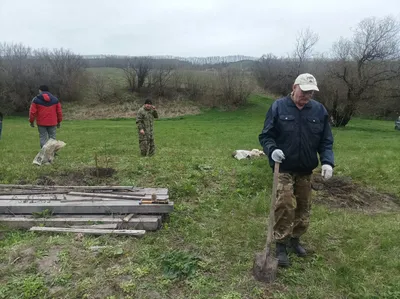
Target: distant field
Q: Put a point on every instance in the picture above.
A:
(220, 217)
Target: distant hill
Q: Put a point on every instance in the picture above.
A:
(193, 60)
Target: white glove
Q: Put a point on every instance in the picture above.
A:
(327, 171)
(278, 156)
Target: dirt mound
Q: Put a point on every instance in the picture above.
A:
(85, 177)
(342, 192)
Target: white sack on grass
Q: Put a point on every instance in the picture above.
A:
(245, 154)
(46, 154)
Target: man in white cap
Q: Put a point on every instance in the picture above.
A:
(296, 129)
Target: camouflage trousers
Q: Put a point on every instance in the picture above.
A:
(293, 204)
(146, 145)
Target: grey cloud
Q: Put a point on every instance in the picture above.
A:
(184, 28)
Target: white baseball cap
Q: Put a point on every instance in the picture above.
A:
(306, 82)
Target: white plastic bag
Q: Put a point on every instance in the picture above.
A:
(244, 154)
(46, 154)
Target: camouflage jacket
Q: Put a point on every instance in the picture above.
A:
(145, 120)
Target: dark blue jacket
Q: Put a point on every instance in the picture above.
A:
(300, 134)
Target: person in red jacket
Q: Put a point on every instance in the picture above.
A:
(46, 109)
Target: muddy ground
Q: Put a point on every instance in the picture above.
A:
(85, 177)
(342, 192)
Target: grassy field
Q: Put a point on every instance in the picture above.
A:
(206, 249)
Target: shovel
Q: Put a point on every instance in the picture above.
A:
(265, 263)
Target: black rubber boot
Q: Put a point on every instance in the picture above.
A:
(281, 254)
(297, 248)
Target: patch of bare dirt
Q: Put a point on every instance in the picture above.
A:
(342, 192)
(22, 260)
(45, 181)
(55, 290)
(101, 172)
(83, 177)
(49, 263)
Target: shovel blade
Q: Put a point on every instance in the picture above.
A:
(265, 267)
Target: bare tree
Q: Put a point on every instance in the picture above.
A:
(17, 75)
(130, 73)
(22, 70)
(274, 74)
(161, 77)
(142, 67)
(191, 83)
(100, 87)
(235, 88)
(277, 74)
(305, 43)
(365, 62)
(66, 71)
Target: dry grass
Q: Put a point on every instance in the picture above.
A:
(166, 109)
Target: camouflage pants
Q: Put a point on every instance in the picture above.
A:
(293, 204)
(146, 145)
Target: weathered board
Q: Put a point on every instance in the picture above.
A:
(148, 223)
(14, 207)
(78, 196)
(70, 188)
(137, 233)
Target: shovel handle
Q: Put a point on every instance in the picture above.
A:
(271, 219)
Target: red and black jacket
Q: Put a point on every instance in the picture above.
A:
(46, 109)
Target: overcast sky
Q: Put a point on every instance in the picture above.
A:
(182, 27)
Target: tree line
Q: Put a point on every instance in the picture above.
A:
(359, 75)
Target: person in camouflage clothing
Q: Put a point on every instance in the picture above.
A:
(145, 123)
(296, 130)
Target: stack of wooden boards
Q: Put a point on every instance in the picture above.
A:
(122, 210)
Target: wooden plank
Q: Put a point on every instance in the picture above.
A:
(148, 223)
(106, 195)
(111, 188)
(151, 190)
(161, 191)
(117, 196)
(32, 192)
(76, 196)
(125, 221)
(10, 186)
(44, 197)
(90, 207)
(128, 218)
(125, 232)
(98, 226)
(62, 198)
(130, 193)
(87, 199)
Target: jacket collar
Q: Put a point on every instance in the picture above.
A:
(291, 103)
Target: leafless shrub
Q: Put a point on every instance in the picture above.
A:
(234, 87)
(23, 70)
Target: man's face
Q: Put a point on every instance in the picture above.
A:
(301, 97)
(147, 106)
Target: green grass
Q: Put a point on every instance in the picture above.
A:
(206, 250)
